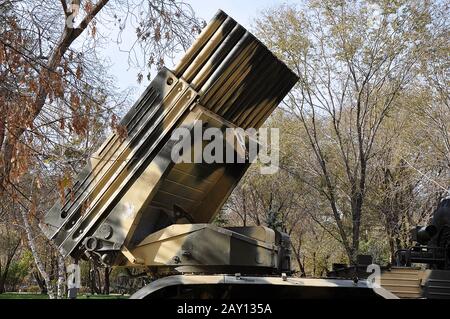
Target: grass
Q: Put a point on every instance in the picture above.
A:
(19, 295)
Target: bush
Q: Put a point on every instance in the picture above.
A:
(84, 290)
(34, 289)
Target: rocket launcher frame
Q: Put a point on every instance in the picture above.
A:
(130, 188)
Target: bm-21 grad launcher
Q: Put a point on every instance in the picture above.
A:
(133, 206)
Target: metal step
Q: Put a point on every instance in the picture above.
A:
(406, 294)
(437, 284)
(403, 282)
(401, 276)
(404, 288)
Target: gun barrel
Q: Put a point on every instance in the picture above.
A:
(425, 233)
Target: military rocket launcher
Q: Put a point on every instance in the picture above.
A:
(134, 206)
(130, 204)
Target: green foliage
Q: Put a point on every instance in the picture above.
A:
(364, 151)
(35, 290)
(377, 247)
(20, 269)
(220, 219)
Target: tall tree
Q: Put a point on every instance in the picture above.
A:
(56, 95)
(9, 244)
(354, 59)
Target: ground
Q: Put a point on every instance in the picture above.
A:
(16, 295)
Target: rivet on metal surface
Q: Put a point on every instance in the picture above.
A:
(106, 231)
(106, 258)
(169, 81)
(91, 244)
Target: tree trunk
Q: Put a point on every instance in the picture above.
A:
(392, 249)
(314, 264)
(4, 273)
(61, 276)
(299, 261)
(356, 203)
(91, 279)
(37, 259)
(2, 280)
(107, 282)
(94, 280)
(68, 36)
(40, 282)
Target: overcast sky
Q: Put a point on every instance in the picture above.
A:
(243, 11)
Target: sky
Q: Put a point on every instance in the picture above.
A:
(243, 11)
